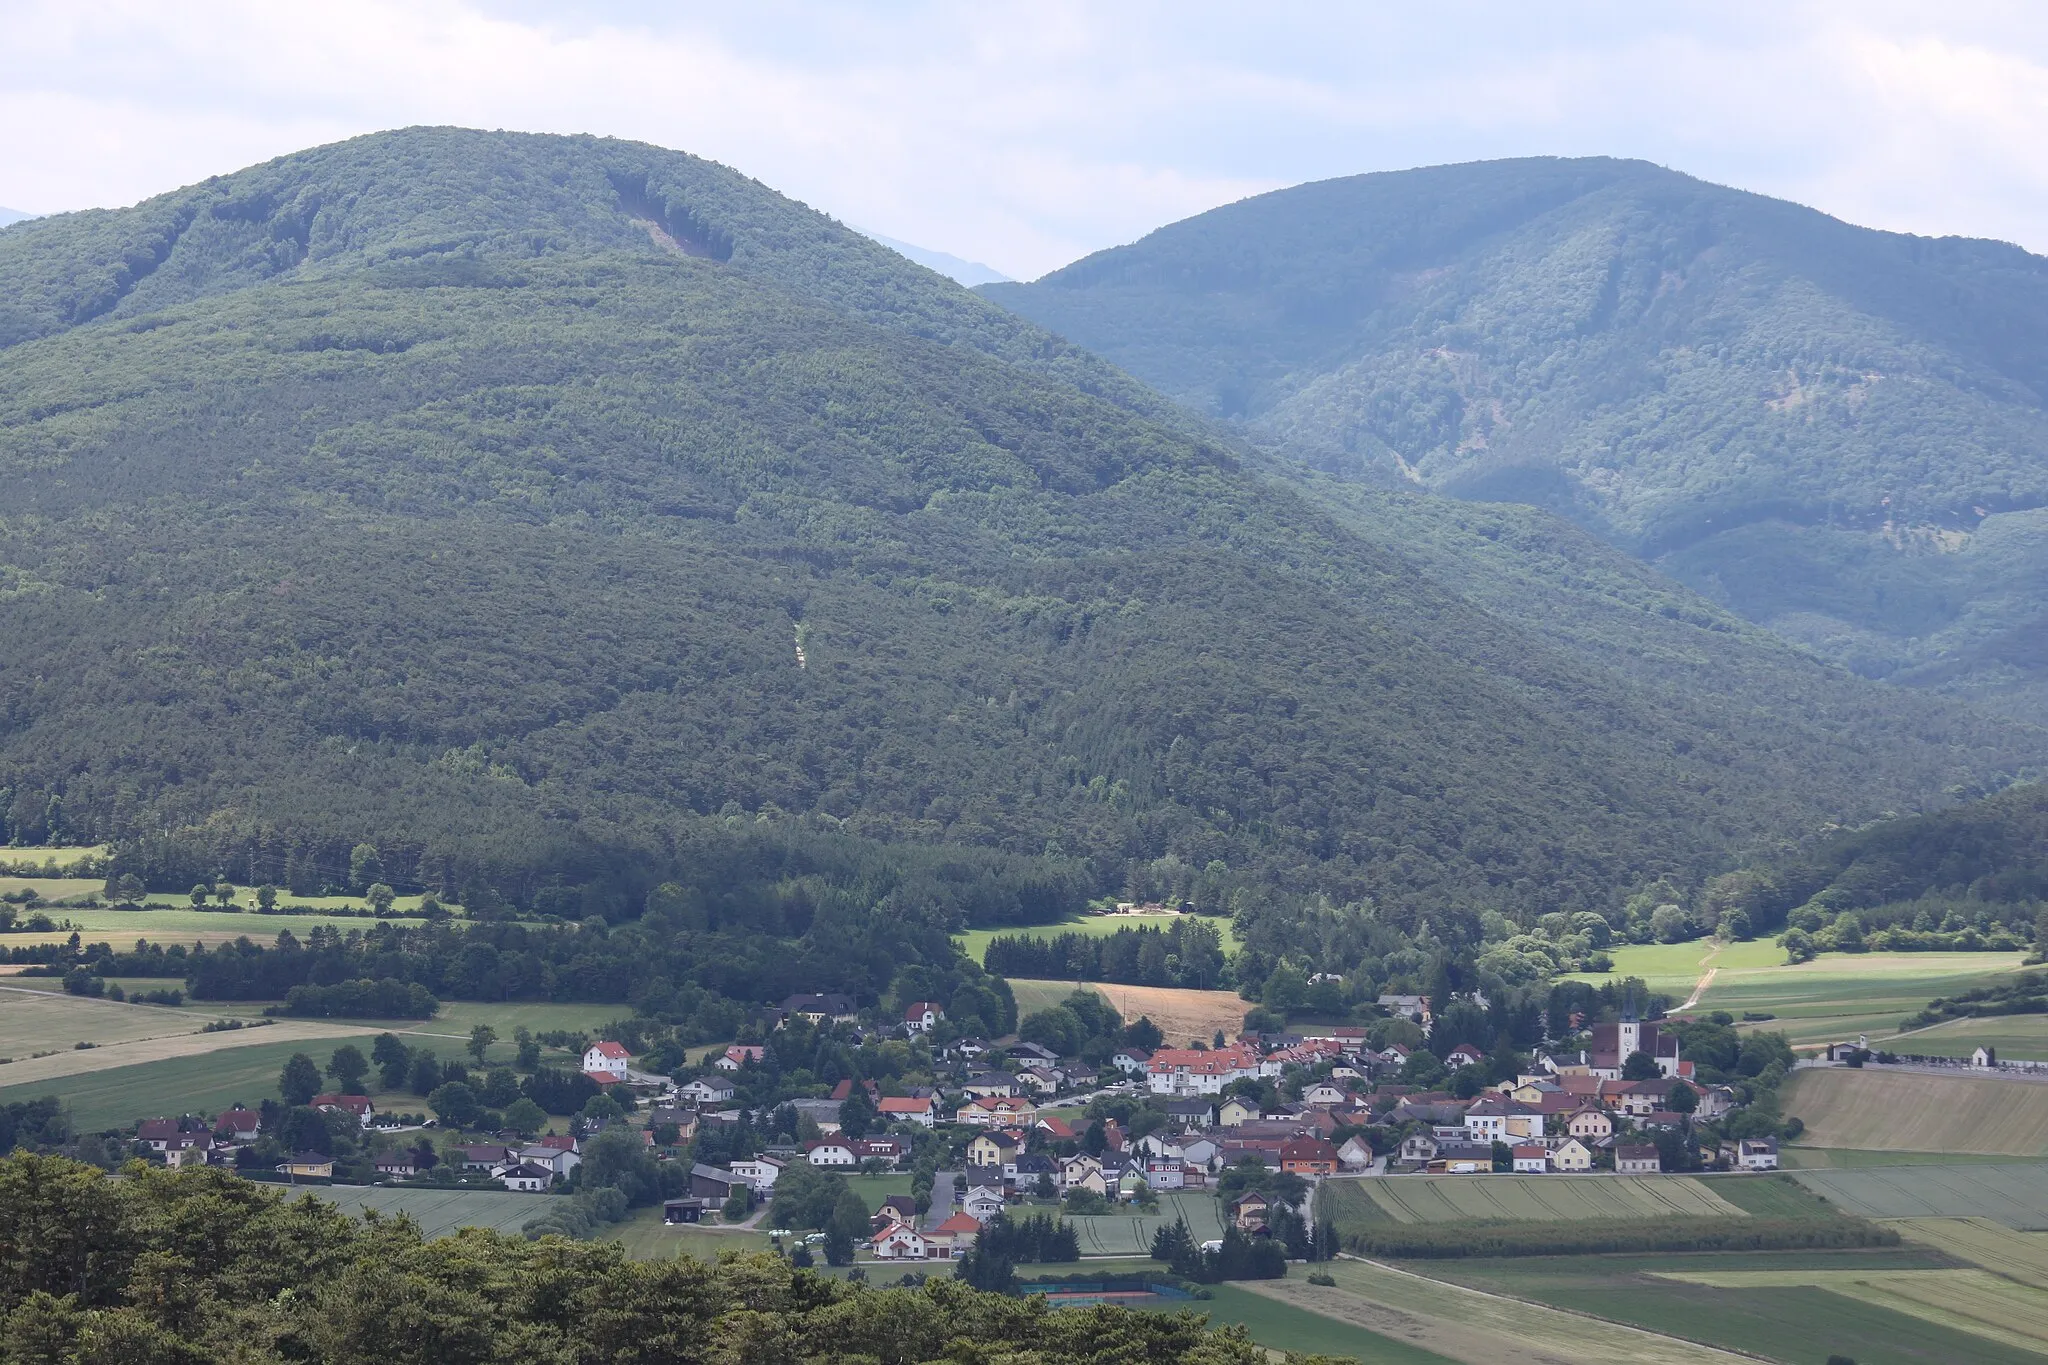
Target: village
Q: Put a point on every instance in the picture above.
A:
(1007, 1128)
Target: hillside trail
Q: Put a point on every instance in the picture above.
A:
(1706, 978)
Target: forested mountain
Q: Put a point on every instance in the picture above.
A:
(529, 506)
(1836, 432)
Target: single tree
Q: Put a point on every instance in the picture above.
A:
(348, 1066)
(456, 1104)
(857, 1114)
(525, 1117)
(364, 867)
(847, 1227)
(200, 891)
(380, 897)
(480, 1039)
(224, 892)
(128, 889)
(529, 1048)
(266, 897)
(299, 1082)
(393, 1060)
(425, 1075)
(1640, 1066)
(1683, 1099)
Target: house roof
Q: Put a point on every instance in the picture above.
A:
(959, 1223)
(917, 1009)
(1635, 1153)
(896, 1104)
(311, 1159)
(1531, 1152)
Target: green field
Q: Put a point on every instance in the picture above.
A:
(33, 1021)
(1855, 1159)
(1836, 996)
(204, 1084)
(2021, 1256)
(51, 889)
(439, 1212)
(1126, 1234)
(1521, 1198)
(975, 941)
(2013, 1193)
(2019, 1037)
(122, 927)
(1286, 1327)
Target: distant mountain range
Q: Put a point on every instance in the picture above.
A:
(1839, 433)
(532, 502)
(12, 216)
(969, 273)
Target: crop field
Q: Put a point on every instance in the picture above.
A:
(2012, 1193)
(1525, 1198)
(1969, 1300)
(1125, 1234)
(33, 1021)
(1182, 1015)
(975, 941)
(1476, 1325)
(51, 888)
(122, 927)
(166, 1076)
(2021, 1256)
(1919, 1112)
(1674, 968)
(1772, 1304)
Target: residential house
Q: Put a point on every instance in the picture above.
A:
(706, 1090)
(526, 1178)
(1462, 1158)
(1637, 1161)
(831, 1152)
(1325, 1093)
(483, 1157)
(996, 1148)
(1080, 1075)
(1571, 1155)
(900, 1243)
(1132, 1061)
(1248, 1211)
(739, 1055)
(398, 1166)
(982, 1203)
(357, 1107)
(1757, 1154)
(188, 1149)
(1308, 1156)
(955, 1237)
(239, 1125)
(1164, 1172)
(684, 1120)
(1033, 1166)
(1236, 1111)
(922, 1016)
(1464, 1054)
(309, 1166)
(1033, 1052)
(554, 1160)
(1191, 1113)
(157, 1134)
(1531, 1158)
(606, 1060)
(1082, 1172)
(906, 1109)
(1418, 1148)
(898, 1208)
(1055, 1128)
(717, 1186)
(1411, 1007)
(1589, 1123)
(1039, 1080)
(1201, 1152)
(819, 1009)
(1191, 1071)
(824, 1113)
(990, 1085)
(996, 1111)
(1355, 1154)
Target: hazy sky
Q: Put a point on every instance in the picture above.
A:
(1024, 135)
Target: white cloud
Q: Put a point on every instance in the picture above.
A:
(1027, 134)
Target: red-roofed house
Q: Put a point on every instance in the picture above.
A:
(738, 1055)
(1531, 1160)
(922, 1016)
(954, 1237)
(239, 1125)
(1308, 1156)
(897, 1109)
(900, 1242)
(357, 1105)
(1191, 1071)
(606, 1059)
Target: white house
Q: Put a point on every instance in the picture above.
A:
(1355, 1154)
(1322, 1092)
(526, 1178)
(705, 1090)
(739, 1055)
(1531, 1160)
(900, 1243)
(922, 1016)
(1190, 1071)
(554, 1160)
(1637, 1161)
(903, 1109)
(831, 1152)
(606, 1059)
(1757, 1154)
(758, 1171)
(982, 1203)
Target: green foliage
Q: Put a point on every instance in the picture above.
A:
(299, 1081)
(1189, 954)
(348, 1066)
(1588, 1237)
(503, 529)
(1795, 415)
(196, 1265)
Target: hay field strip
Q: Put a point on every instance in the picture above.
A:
(2021, 1256)
(1182, 1015)
(1919, 1112)
(1535, 1198)
(2014, 1194)
(1974, 1301)
(2019, 1037)
(245, 1072)
(186, 926)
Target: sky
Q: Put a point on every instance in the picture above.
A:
(1025, 135)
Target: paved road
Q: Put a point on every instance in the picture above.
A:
(943, 1183)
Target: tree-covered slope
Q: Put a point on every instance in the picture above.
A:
(417, 490)
(1835, 431)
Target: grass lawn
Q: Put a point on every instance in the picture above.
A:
(2014, 1193)
(647, 1238)
(975, 941)
(439, 1212)
(50, 888)
(1287, 1327)
(873, 1189)
(122, 927)
(2020, 1037)
(203, 1084)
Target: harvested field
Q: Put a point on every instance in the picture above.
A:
(33, 1021)
(1182, 1015)
(153, 1047)
(1475, 1326)
(2012, 1193)
(1125, 1234)
(1916, 1112)
(1974, 1301)
(2021, 1256)
(1525, 1198)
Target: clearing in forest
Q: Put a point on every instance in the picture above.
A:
(1182, 1015)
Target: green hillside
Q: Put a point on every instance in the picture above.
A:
(531, 506)
(1834, 431)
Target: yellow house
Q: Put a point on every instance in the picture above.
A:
(1591, 1124)
(1531, 1092)
(1236, 1111)
(311, 1165)
(991, 1149)
(1573, 1155)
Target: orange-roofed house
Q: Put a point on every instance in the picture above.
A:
(606, 1059)
(899, 1109)
(954, 1237)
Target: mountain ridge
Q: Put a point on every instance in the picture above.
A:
(519, 519)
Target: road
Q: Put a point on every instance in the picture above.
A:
(943, 1184)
